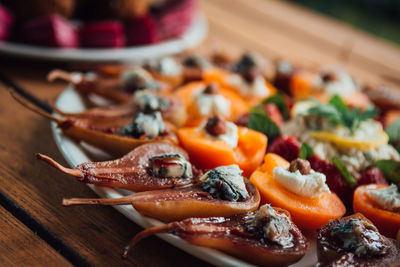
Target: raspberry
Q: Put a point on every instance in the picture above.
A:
(175, 17)
(142, 30)
(273, 113)
(334, 179)
(50, 30)
(372, 176)
(103, 34)
(287, 147)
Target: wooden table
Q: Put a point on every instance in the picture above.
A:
(36, 230)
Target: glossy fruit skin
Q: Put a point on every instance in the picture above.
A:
(222, 233)
(207, 153)
(102, 34)
(50, 31)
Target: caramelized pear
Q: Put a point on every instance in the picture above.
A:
(134, 171)
(266, 237)
(108, 135)
(355, 241)
(118, 90)
(204, 199)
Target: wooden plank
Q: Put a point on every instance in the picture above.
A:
(321, 32)
(243, 31)
(96, 233)
(21, 247)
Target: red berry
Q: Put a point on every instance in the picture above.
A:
(287, 147)
(175, 17)
(50, 30)
(334, 179)
(141, 31)
(273, 113)
(372, 176)
(103, 34)
(6, 21)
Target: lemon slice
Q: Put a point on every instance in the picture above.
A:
(369, 135)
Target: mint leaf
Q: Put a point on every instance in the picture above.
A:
(258, 109)
(306, 151)
(390, 168)
(370, 113)
(327, 111)
(344, 171)
(393, 131)
(260, 122)
(337, 112)
(338, 103)
(351, 119)
(279, 101)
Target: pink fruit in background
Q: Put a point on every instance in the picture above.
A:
(287, 147)
(175, 17)
(142, 30)
(102, 34)
(334, 179)
(50, 30)
(6, 21)
(372, 176)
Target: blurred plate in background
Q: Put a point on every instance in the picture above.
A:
(195, 34)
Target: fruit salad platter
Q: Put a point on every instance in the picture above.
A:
(99, 31)
(238, 161)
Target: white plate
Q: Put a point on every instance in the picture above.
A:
(75, 154)
(195, 34)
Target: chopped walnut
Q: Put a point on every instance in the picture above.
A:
(301, 165)
(216, 126)
(328, 77)
(211, 89)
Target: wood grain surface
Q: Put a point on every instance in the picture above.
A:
(19, 246)
(96, 235)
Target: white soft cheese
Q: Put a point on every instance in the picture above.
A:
(388, 198)
(343, 85)
(231, 136)
(309, 185)
(152, 124)
(257, 88)
(212, 104)
(169, 66)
